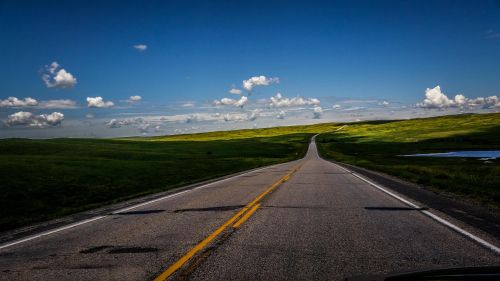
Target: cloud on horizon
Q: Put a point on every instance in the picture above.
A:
(435, 98)
(28, 119)
(14, 102)
(279, 101)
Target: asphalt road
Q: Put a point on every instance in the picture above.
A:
(303, 220)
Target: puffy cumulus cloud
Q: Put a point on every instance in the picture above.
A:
(259, 81)
(241, 102)
(435, 98)
(336, 106)
(383, 103)
(317, 111)
(235, 91)
(134, 99)
(28, 119)
(59, 104)
(280, 101)
(98, 102)
(57, 77)
(15, 102)
(280, 115)
(227, 101)
(141, 47)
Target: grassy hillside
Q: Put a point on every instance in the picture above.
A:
(377, 146)
(45, 179)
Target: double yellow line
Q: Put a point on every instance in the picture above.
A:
(235, 221)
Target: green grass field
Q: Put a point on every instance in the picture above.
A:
(376, 146)
(45, 179)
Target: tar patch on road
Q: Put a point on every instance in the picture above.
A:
(143, 212)
(95, 249)
(119, 250)
(395, 209)
(132, 250)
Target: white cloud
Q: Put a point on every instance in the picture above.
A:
(60, 104)
(434, 98)
(235, 91)
(383, 103)
(317, 111)
(227, 101)
(488, 102)
(233, 117)
(28, 119)
(99, 102)
(141, 47)
(114, 123)
(15, 102)
(30, 102)
(134, 99)
(280, 101)
(281, 115)
(259, 81)
(241, 102)
(57, 77)
(336, 106)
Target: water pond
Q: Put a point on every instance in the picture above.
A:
(483, 154)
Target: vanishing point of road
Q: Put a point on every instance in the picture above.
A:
(308, 219)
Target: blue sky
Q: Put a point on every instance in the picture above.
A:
(363, 52)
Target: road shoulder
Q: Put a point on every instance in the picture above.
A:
(482, 218)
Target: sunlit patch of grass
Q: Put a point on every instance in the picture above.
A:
(377, 146)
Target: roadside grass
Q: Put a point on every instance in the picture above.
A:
(378, 146)
(46, 179)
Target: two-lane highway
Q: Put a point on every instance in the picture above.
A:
(308, 219)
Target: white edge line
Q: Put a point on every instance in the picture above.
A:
(29, 238)
(429, 214)
(51, 232)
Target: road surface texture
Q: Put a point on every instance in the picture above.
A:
(304, 220)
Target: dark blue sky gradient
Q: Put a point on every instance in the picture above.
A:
(197, 49)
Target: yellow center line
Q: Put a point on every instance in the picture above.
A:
(250, 207)
(246, 216)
